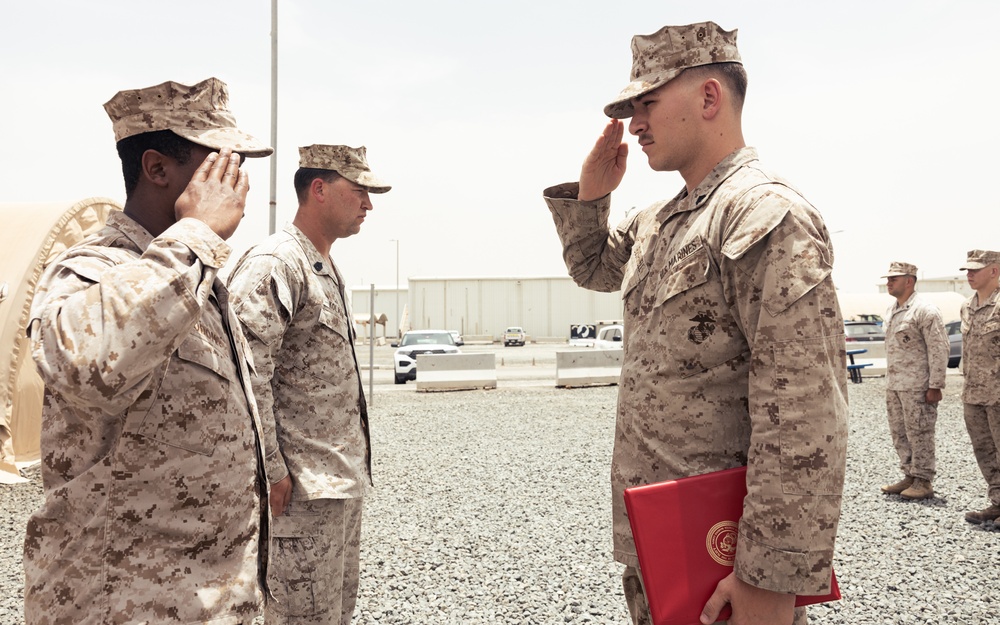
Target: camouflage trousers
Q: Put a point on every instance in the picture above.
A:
(912, 423)
(314, 568)
(983, 424)
(638, 609)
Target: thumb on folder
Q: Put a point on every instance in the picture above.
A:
(750, 605)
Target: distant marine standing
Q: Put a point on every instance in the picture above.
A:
(916, 345)
(981, 367)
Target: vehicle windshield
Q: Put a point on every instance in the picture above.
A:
(862, 329)
(955, 327)
(427, 338)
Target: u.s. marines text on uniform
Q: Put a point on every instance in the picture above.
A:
(152, 465)
(300, 327)
(734, 349)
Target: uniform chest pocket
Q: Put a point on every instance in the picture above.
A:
(689, 273)
(635, 272)
(188, 409)
(991, 336)
(903, 333)
(694, 325)
(334, 319)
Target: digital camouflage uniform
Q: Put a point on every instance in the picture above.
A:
(916, 346)
(981, 393)
(293, 307)
(152, 466)
(734, 355)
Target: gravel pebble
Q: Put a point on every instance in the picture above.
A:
(493, 507)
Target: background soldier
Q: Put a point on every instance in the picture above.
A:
(301, 330)
(151, 457)
(762, 384)
(981, 366)
(916, 345)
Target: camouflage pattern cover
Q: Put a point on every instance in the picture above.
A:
(660, 57)
(351, 163)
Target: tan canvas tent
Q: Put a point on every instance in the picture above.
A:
(31, 236)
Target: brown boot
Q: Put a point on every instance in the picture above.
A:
(921, 489)
(989, 514)
(898, 487)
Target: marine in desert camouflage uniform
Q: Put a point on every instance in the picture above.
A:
(981, 367)
(734, 348)
(152, 464)
(301, 330)
(916, 346)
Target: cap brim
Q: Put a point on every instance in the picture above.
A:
(971, 266)
(621, 107)
(371, 183)
(233, 138)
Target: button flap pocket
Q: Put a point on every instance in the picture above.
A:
(333, 319)
(688, 272)
(198, 349)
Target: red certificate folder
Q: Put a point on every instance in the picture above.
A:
(685, 535)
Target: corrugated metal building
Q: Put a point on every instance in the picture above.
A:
(957, 283)
(546, 307)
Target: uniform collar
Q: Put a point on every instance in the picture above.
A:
(989, 302)
(139, 236)
(317, 262)
(907, 303)
(726, 168)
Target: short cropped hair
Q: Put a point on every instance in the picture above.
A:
(732, 76)
(304, 177)
(131, 149)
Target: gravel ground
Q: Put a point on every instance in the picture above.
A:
(492, 507)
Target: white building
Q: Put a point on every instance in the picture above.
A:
(483, 307)
(958, 284)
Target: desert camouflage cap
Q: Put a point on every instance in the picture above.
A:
(662, 56)
(977, 259)
(351, 163)
(901, 269)
(199, 113)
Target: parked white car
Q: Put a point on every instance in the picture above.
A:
(610, 337)
(514, 335)
(419, 342)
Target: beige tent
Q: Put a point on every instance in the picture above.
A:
(31, 236)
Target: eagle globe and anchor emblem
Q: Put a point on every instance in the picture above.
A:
(721, 542)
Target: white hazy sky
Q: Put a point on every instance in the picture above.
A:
(883, 113)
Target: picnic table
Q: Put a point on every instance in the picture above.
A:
(855, 369)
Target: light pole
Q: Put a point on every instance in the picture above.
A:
(398, 321)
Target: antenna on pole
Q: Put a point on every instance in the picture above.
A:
(273, 206)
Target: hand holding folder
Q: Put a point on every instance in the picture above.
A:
(685, 535)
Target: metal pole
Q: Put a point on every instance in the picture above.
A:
(273, 206)
(398, 324)
(371, 349)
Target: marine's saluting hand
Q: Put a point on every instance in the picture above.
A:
(216, 194)
(605, 165)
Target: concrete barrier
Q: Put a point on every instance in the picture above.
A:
(456, 372)
(588, 367)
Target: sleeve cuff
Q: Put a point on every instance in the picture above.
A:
(275, 467)
(211, 249)
(805, 573)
